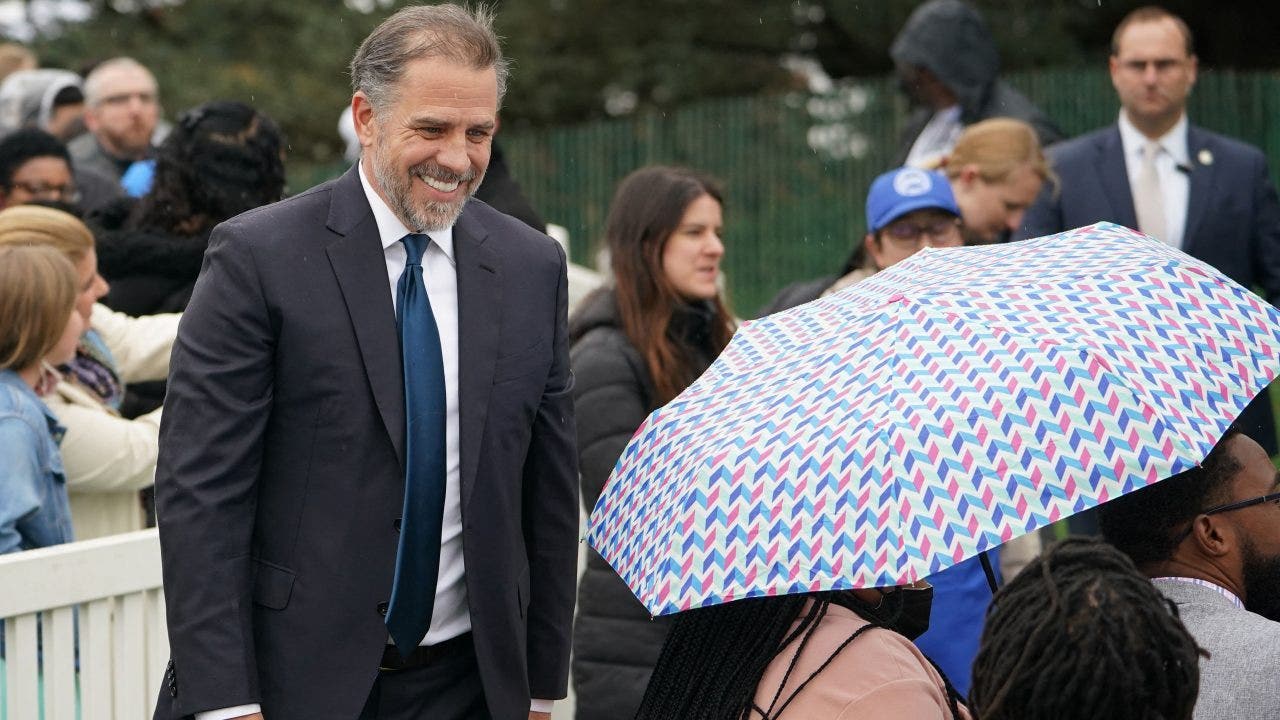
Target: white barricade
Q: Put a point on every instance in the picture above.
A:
(108, 592)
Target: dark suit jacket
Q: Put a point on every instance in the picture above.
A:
(280, 474)
(1233, 215)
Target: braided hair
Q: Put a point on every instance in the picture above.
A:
(221, 159)
(714, 657)
(1080, 633)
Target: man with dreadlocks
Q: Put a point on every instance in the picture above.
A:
(832, 655)
(1209, 539)
(1080, 634)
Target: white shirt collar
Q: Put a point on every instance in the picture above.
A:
(949, 114)
(390, 228)
(1173, 142)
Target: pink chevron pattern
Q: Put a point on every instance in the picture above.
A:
(947, 405)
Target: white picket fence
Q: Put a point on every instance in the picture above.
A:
(108, 592)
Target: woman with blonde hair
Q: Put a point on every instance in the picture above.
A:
(108, 459)
(996, 170)
(41, 326)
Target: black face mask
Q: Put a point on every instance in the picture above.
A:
(903, 610)
(915, 605)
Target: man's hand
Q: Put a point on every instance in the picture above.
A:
(539, 715)
(258, 716)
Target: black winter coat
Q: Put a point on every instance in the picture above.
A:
(615, 642)
(149, 272)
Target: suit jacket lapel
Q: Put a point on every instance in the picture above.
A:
(1113, 176)
(1201, 185)
(479, 319)
(360, 266)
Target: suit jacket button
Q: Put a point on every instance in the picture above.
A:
(397, 524)
(382, 609)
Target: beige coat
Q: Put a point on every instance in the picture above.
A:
(108, 459)
(879, 676)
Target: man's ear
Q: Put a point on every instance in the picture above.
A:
(363, 117)
(1215, 537)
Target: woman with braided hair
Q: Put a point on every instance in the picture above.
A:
(1080, 633)
(833, 655)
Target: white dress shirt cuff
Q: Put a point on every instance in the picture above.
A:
(231, 712)
(537, 705)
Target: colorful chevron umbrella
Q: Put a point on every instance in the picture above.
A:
(951, 403)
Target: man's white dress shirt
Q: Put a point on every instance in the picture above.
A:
(1173, 167)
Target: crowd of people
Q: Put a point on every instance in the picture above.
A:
(406, 363)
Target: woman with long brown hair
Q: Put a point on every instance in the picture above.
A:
(636, 345)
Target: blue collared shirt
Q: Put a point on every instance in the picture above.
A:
(34, 510)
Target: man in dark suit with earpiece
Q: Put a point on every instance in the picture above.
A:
(1206, 194)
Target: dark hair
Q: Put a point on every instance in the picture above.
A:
(714, 657)
(69, 95)
(21, 146)
(645, 212)
(1080, 633)
(1150, 14)
(221, 159)
(1146, 524)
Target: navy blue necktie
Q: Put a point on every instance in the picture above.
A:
(413, 591)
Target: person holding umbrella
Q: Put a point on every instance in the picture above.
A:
(636, 345)
(842, 654)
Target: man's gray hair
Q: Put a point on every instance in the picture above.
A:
(451, 32)
(93, 89)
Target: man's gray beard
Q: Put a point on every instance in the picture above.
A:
(431, 216)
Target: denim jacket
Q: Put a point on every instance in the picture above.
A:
(34, 510)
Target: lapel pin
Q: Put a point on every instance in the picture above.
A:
(1205, 157)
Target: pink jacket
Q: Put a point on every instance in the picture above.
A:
(881, 674)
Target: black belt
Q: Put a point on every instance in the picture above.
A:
(423, 654)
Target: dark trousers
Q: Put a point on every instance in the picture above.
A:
(447, 688)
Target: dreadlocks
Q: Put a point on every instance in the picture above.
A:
(714, 657)
(1080, 633)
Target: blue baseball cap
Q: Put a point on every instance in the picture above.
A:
(905, 190)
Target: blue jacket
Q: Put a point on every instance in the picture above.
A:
(34, 511)
(961, 595)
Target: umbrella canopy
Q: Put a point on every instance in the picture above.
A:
(951, 403)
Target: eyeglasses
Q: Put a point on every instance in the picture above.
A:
(1270, 497)
(65, 193)
(1228, 507)
(913, 232)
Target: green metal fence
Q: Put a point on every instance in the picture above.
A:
(796, 166)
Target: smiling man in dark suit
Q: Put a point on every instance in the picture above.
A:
(366, 491)
(1206, 194)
